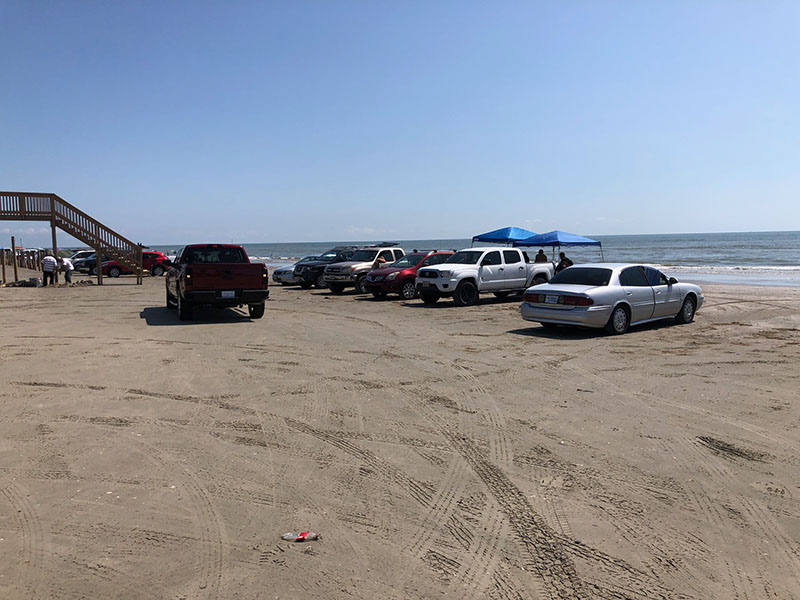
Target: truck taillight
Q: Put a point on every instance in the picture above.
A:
(187, 276)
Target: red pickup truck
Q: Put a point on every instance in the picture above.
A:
(216, 275)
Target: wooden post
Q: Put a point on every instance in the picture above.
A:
(4, 265)
(99, 262)
(14, 253)
(53, 228)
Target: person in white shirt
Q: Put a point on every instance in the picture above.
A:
(66, 266)
(49, 265)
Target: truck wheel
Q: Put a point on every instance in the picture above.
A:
(336, 288)
(114, 272)
(320, 282)
(184, 309)
(409, 290)
(618, 322)
(429, 297)
(93, 270)
(256, 310)
(157, 271)
(501, 295)
(539, 280)
(466, 294)
(305, 284)
(360, 285)
(170, 300)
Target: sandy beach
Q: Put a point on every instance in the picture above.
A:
(441, 452)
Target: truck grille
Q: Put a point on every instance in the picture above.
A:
(429, 274)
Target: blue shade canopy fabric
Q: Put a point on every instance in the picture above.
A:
(557, 238)
(506, 235)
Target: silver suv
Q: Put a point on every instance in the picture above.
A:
(352, 273)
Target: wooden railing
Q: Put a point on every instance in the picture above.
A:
(23, 206)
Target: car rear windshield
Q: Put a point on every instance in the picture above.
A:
(214, 254)
(465, 257)
(364, 255)
(409, 260)
(583, 276)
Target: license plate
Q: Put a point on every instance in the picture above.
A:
(549, 299)
(228, 294)
(427, 284)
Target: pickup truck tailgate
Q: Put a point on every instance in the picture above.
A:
(227, 276)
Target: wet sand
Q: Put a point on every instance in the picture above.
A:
(441, 452)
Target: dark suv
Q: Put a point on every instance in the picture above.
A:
(310, 273)
(399, 277)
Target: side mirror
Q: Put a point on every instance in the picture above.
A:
(672, 280)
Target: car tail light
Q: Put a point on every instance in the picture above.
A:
(577, 300)
(527, 297)
(187, 280)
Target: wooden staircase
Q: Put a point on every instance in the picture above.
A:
(24, 206)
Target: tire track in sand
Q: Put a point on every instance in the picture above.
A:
(30, 565)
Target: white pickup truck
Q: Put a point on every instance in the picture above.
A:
(473, 271)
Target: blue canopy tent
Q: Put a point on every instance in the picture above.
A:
(506, 235)
(559, 238)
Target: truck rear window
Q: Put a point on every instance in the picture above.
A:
(214, 254)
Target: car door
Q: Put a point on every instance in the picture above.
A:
(491, 271)
(667, 297)
(515, 272)
(638, 293)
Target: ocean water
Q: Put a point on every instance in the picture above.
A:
(758, 258)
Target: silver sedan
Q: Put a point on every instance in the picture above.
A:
(611, 296)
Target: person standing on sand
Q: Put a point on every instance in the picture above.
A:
(68, 268)
(540, 256)
(49, 266)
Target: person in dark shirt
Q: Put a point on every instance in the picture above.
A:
(540, 256)
(563, 263)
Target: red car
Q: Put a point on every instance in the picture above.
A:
(151, 261)
(398, 278)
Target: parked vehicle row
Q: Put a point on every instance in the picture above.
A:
(601, 295)
(86, 262)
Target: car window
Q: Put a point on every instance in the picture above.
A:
(655, 277)
(583, 276)
(386, 255)
(633, 277)
(492, 258)
(511, 257)
(436, 259)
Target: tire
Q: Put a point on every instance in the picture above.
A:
(379, 294)
(184, 309)
(539, 280)
(619, 321)
(256, 310)
(408, 291)
(501, 295)
(93, 270)
(686, 314)
(429, 297)
(305, 285)
(466, 294)
(157, 271)
(336, 288)
(171, 303)
(114, 272)
(319, 283)
(360, 285)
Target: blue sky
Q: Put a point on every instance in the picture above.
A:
(176, 122)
